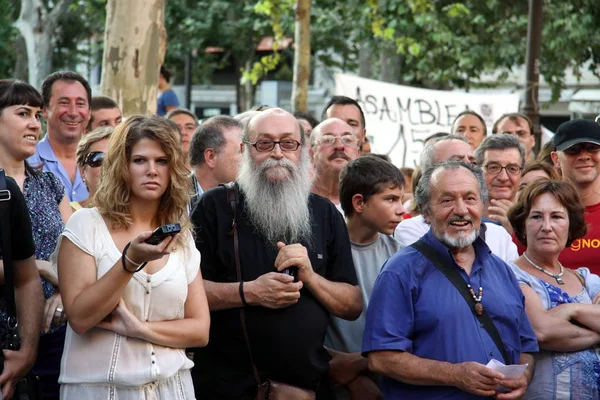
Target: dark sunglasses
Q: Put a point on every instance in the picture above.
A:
(94, 159)
(578, 148)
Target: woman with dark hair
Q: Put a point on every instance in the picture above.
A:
(133, 306)
(20, 129)
(535, 170)
(560, 302)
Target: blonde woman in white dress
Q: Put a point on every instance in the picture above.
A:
(133, 307)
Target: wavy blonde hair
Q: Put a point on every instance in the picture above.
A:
(112, 196)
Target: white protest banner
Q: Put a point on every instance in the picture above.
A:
(399, 118)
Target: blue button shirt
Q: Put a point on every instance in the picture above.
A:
(76, 191)
(415, 308)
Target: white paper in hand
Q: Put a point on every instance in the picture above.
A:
(513, 371)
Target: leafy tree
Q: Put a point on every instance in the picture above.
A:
(77, 37)
(446, 44)
(232, 29)
(9, 34)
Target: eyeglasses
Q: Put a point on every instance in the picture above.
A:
(94, 159)
(578, 148)
(263, 146)
(347, 140)
(511, 169)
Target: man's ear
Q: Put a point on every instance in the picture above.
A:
(45, 113)
(425, 214)
(555, 160)
(358, 203)
(210, 157)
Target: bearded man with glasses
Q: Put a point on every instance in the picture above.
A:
(577, 154)
(295, 269)
(502, 158)
(333, 144)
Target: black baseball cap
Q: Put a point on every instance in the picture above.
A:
(576, 131)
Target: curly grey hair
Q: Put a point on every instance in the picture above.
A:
(423, 192)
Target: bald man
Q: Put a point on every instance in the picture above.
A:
(333, 143)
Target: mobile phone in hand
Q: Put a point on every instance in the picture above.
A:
(162, 232)
(291, 271)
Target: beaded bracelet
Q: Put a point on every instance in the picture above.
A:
(241, 289)
(124, 257)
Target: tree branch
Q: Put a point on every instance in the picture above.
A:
(59, 9)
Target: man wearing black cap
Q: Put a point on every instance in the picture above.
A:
(577, 154)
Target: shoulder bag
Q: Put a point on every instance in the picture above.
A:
(268, 389)
(454, 277)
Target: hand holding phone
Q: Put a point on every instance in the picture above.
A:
(162, 232)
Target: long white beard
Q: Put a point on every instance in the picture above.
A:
(278, 209)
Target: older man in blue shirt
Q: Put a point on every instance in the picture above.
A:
(420, 333)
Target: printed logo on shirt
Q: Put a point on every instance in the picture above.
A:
(319, 256)
(585, 244)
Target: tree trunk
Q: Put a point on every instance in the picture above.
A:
(38, 27)
(21, 70)
(389, 62)
(365, 60)
(134, 50)
(301, 56)
(247, 90)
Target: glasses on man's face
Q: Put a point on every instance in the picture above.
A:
(94, 159)
(578, 148)
(265, 145)
(511, 169)
(347, 140)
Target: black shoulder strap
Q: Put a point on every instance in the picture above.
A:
(454, 277)
(5, 197)
(232, 199)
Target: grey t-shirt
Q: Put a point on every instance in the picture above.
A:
(346, 336)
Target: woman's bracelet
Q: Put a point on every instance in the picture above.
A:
(124, 257)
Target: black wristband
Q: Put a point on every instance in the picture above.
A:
(241, 288)
(123, 256)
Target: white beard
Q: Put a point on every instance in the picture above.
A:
(278, 209)
(461, 241)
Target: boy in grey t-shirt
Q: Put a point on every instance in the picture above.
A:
(371, 191)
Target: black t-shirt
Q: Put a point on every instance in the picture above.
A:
(20, 224)
(287, 344)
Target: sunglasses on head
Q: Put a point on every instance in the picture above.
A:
(94, 159)
(578, 148)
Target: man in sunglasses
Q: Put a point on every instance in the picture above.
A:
(334, 144)
(577, 154)
(295, 264)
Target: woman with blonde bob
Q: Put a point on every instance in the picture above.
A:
(90, 156)
(133, 307)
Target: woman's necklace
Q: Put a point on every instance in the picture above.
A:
(478, 306)
(555, 276)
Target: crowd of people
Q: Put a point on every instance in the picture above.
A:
(302, 265)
